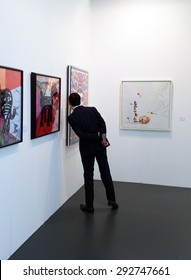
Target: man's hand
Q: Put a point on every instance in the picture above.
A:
(105, 143)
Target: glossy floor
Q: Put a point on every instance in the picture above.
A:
(152, 222)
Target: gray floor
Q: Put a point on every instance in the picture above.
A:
(152, 223)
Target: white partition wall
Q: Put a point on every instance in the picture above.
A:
(143, 41)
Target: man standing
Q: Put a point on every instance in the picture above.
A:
(90, 127)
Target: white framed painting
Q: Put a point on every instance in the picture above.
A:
(146, 105)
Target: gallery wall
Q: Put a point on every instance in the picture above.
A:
(148, 40)
(37, 176)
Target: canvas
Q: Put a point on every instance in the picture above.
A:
(45, 104)
(11, 106)
(146, 105)
(77, 81)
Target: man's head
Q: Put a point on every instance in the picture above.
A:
(74, 99)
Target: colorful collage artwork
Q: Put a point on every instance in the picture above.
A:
(45, 105)
(11, 103)
(77, 82)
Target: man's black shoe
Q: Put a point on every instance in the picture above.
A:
(113, 204)
(86, 209)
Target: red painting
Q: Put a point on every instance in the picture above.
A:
(45, 105)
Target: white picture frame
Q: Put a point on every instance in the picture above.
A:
(146, 105)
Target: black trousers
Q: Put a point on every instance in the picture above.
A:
(88, 165)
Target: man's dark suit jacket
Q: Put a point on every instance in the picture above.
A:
(87, 123)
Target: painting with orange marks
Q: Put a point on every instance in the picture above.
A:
(2, 78)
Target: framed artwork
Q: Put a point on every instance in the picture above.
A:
(146, 105)
(45, 104)
(77, 81)
(11, 106)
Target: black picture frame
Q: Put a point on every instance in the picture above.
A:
(11, 106)
(45, 104)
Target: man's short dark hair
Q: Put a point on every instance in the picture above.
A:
(74, 99)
